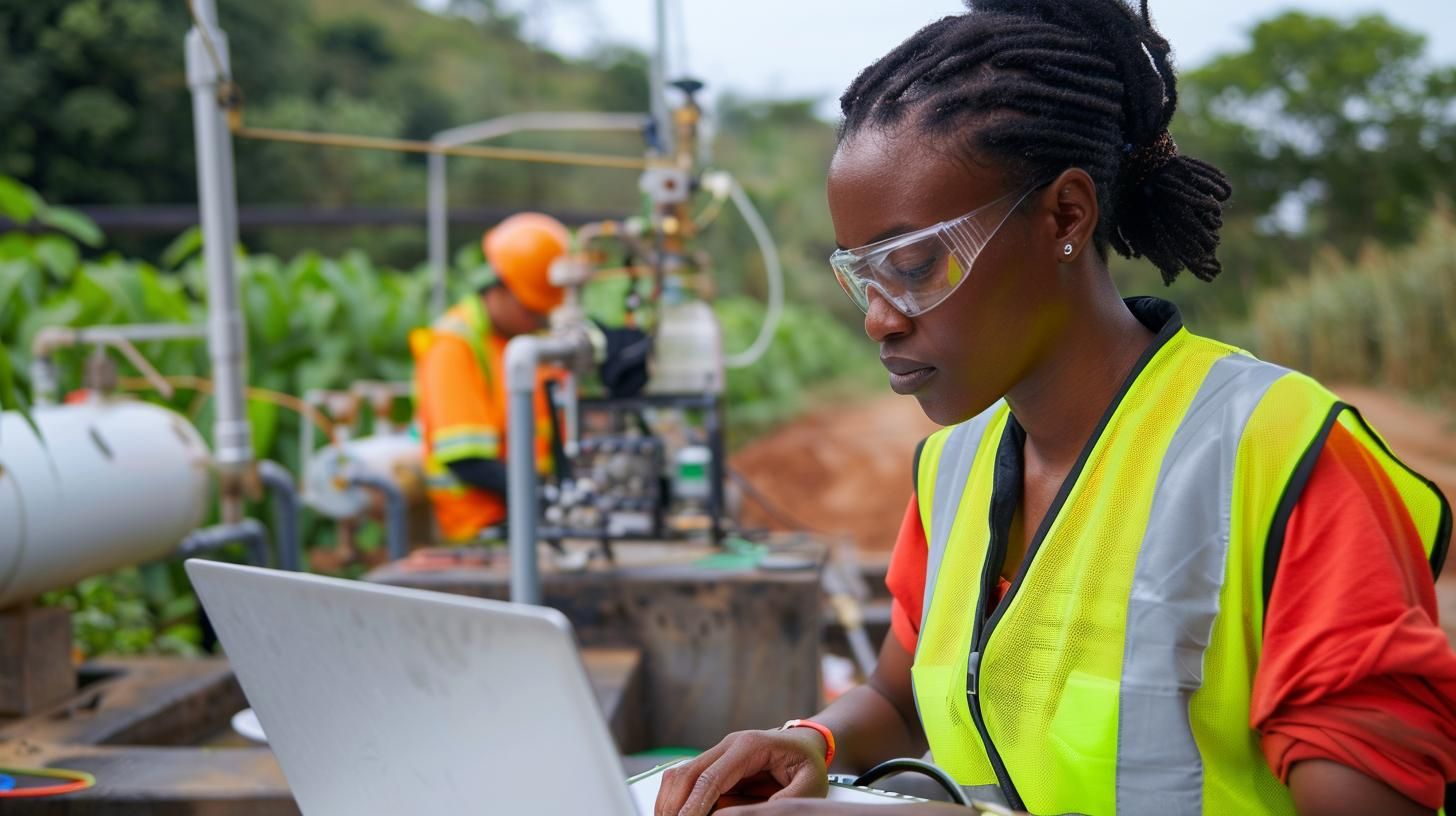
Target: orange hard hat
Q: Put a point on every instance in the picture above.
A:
(520, 249)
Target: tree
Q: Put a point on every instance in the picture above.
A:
(1332, 132)
(93, 95)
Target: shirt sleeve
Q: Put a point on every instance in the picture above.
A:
(906, 578)
(457, 405)
(1355, 667)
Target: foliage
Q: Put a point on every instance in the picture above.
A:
(53, 252)
(1387, 317)
(138, 610)
(809, 348)
(1334, 133)
(97, 108)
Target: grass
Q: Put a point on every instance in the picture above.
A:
(1388, 317)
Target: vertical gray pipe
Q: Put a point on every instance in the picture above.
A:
(227, 342)
(523, 355)
(439, 234)
(657, 75)
(283, 496)
(521, 358)
(396, 512)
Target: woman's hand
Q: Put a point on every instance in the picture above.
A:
(779, 764)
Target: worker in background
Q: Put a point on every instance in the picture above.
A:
(1143, 572)
(460, 387)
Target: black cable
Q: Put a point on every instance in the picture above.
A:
(780, 516)
(558, 444)
(894, 766)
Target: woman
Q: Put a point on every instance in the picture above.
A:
(1143, 572)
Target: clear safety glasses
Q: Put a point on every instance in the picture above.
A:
(917, 271)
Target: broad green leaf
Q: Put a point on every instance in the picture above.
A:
(17, 202)
(16, 245)
(62, 313)
(8, 398)
(11, 399)
(73, 223)
(11, 303)
(263, 417)
(184, 246)
(59, 255)
(156, 581)
(162, 298)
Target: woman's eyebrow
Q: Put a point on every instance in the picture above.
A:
(893, 232)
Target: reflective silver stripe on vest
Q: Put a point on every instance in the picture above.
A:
(954, 470)
(1175, 593)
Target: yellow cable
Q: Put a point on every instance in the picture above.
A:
(204, 385)
(417, 146)
(228, 96)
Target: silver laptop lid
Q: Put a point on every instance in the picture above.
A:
(383, 700)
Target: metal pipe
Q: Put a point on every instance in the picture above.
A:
(541, 121)
(523, 355)
(227, 343)
(44, 382)
(52, 338)
(438, 200)
(249, 532)
(283, 496)
(657, 75)
(439, 233)
(396, 512)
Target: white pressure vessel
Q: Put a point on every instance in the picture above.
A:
(688, 352)
(110, 484)
(327, 484)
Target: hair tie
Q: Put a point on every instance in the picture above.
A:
(1144, 161)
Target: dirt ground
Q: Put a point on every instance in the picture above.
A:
(842, 470)
(846, 469)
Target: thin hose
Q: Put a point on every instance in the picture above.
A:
(773, 268)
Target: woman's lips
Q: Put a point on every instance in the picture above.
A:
(907, 376)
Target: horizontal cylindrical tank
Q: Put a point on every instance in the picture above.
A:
(107, 485)
(328, 479)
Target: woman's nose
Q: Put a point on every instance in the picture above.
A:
(882, 320)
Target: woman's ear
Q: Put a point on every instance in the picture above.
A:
(1071, 201)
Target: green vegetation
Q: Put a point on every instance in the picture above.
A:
(138, 610)
(1388, 317)
(1335, 133)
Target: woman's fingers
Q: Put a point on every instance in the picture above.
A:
(806, 782)
(739, 761)
(774, 763)
(678, 781)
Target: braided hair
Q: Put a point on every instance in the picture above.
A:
(1041, 86)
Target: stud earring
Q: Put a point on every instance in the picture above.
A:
(1067, 250)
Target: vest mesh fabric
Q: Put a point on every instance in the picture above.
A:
(1052, 672)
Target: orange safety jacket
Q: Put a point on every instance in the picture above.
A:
(460, 404)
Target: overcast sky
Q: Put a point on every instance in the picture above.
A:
(796, 48)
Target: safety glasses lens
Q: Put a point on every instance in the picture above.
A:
(853, 287)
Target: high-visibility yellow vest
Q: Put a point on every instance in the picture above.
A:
(462, 511)
(1115, 677)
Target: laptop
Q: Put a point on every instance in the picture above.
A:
(385, 700)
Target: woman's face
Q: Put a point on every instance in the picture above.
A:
(964, 354)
